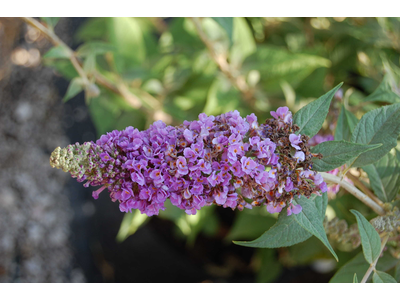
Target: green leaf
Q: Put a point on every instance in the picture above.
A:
(95, 48)
(277, 64)
(384, 177)
(127, 37)
(51, 21)
(355, 279)
(379, 126)
(382, 277)
(359, 266)
(345, 125)
(384, 92)
(311, 117)
(243, 42)
(58, 52)
(227, 24)
(310, 219)
(370, 240)
(269, 267)
(286, 231)
(345, 274)
(75, 87)
(89, 65)
(250, 224)
(337, 153)
(130, 224)
(397, 272)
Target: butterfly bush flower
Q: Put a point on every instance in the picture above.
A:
(223, 160)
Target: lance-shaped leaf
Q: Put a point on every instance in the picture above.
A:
(287, 231)
(345, 125)
(382, 277)
(311, 117)
(384, 177)
(384, 92)
(58, 52)
(355, 279)
(130, 224)
(310, 219)
(337, 153)
(51, 21)
(75, 87)
(227, 25)
(359, 266)
(379, 126)
(370, 240)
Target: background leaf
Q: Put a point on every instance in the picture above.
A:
(227, 24)
(57, 52)
(51, 21)
(74, 88)
(130, 224)
(370, 240)
(380, 126)
(382, 277)
(355, 279)
(345, 125)
(384, 177)
(384, 92)
(337, 153)
(310, 117)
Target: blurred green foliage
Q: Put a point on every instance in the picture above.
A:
(281, 61)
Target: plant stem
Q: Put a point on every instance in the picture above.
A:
(153, 111)
(363, 188)
(237, 81)
(372, 266)
(354, 191)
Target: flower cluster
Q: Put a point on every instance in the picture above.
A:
(225, 160)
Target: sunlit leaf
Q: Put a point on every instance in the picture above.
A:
(355, 279)
(227, 24)
(95, 48)
(130, 224)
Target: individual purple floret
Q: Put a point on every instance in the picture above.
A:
(225, 160)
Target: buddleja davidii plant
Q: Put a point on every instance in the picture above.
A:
(365, 143)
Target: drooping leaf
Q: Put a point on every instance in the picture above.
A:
(287, 231)
(384, 177)
(384, 92)
(95, 48)
(345, 125)
(310, 219)
(370, 240)
(310, 117)
(379, 126)
(355, 279)
(51, 21)
(58, 52)
(227, 24)
(382, 277)
(130, 224)
(337, 153)
(75, 87)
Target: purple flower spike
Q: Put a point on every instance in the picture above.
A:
(219, 160)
